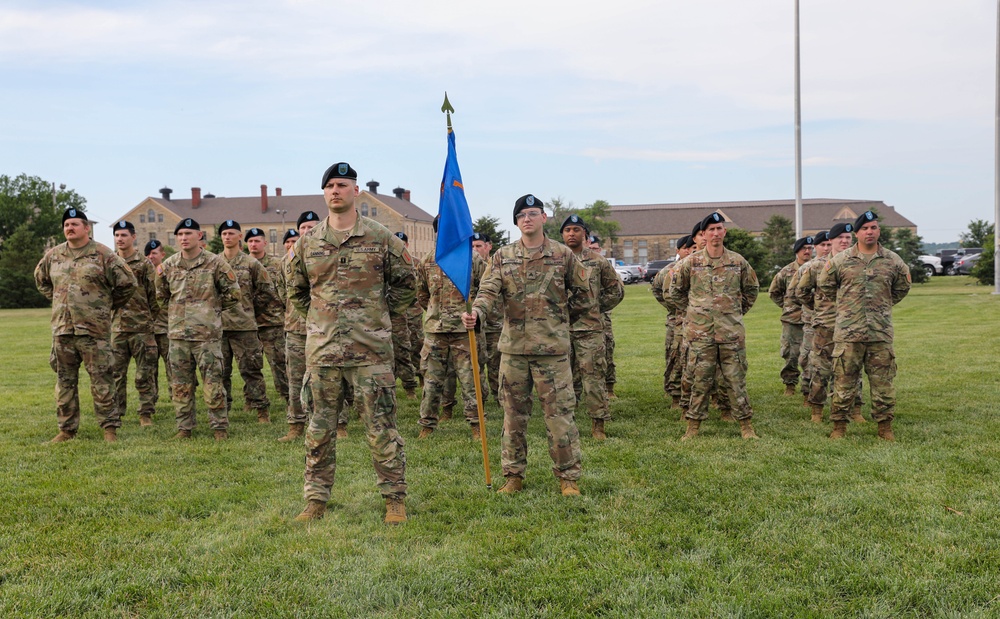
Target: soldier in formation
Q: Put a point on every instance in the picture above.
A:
(660, 287)
(271, 320)
(791, 313)
(155, 254)
(489, 357)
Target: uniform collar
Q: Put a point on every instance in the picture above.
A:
(523, 252)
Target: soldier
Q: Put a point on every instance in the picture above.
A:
(271, 322)
(132, 329)
(791, 313)
(195, 286)
(350, 275)
(239, 323)
(542, 288)
(821, 312)
(866, 281)
(660, 286)
(821, 245)
(587, 354)
(594, 244)
(154, 252)
(86, 282)
(717, 287)
(404, 367)
(446, 342)
(482, 244)
(295, 348)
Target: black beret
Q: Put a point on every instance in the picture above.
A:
(694, 231)
(574, 220)
(75, 213)
(125, 225)
(290, 234)
(839, 229)
(714, 218)
(187, 224)
(307, 216)
(252, 232)
(478, 236)
(820, 237)
(594, 239)
(150, 246)
(864, 218)
(799, 244)
(338, 170)
(402, 235)
(683, 241)
(230, 224)
(527, 201)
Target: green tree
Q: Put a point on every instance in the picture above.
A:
(909, 246)
(777, 240)
(21, 252)
(980, 233)
(743, 243)
(596, 214)
(984, 269)
(32, 201)
(490, 226)
(559, 210)
(215, 244)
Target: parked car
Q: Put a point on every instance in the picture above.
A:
(950, 256)
(655, 267)
(627, 276)
(932, 265)
(963, 266)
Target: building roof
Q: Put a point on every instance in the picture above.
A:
(751, 215)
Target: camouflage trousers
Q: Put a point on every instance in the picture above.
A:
(249, 353)
(415, 327)
(142, 348)
(163, 351)
(717, 389)
(609, 349)
(295, 362)
(491, 341)
(821, 368)
(272, 339)
(723, 366)
(375, 390)
(587, 360)
(402, 354)
(440, 350)
(675, 361)
(668, 342)
(552, 376)
(791, 344)
(879, 362)
(186, 358)
(69, 352)
(807, 344)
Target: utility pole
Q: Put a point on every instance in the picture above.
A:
(798, 133)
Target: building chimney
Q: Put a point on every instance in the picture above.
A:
(165, 192)
(372, 186)
(406, 195)
(263, 198)
(277, 192)
(398, 192)
(195, 197)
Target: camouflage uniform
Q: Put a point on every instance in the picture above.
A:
(587, 355)
(194, 293)
(162, 345)
(656, 287)
(239, 332)
(539, 292)
(491, 341)
(807, 328)
(865, 292)
(446, 341)
(415, 326)
(132, 338)
(791, 322)
(716, 292)
(295, 353)
(609, 351)
(85, 285)
(349, 284)
(271, 327)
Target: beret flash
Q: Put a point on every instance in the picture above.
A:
(125, 225)
(230, 224)
(714, 218)
(74, 213)
(478, 236)
(574, 220)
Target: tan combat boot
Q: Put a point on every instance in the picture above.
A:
(221, 435)
(675, 401)
(512, 485)
(313, 511)
(182, 434)
(425, 432)
(63, 436)
(597, 429)
(476, 434)
(746, 429)
(839, 429)
(727, 415)
(569, 487)
(805, 401)
(610, 388)
(692, 430)
(110, 435)
(395, 511)
(817, 413)
(294, 432)
(445, 414)
(789, 390)
(263, 416)
(145, 421)
(411, 394)
(341, 430)
(856, 415)
(885, 430)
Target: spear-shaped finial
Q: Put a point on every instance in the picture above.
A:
(447, 109)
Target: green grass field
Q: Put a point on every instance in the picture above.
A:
(792, 525)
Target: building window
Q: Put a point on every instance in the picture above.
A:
(152, 236)
(152, 216)
(627, 251)
(364, 209)
(643, 252)
(673, 244)
(274, 235)
(159, 217)
(374, 211)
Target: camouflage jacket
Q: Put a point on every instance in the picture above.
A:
(273, 313)
(258, 294)
(792, 297)
(606, 287)
(142, 311)
(714, 295)
(822, 310)
(85, 286)
(295, 322)
(348, 292)
(864, 293)
(660, 286)
(442, 302)
(194, 293)
(791, 310)
(540, 292)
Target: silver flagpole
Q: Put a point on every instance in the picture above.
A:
(798, 133)
(996, 171)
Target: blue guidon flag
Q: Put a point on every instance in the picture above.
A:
(454, 242)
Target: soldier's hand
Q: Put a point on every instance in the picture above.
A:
(469, 320)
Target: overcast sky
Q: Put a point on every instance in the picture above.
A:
(631, 101)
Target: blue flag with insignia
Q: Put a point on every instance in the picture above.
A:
(454, 240)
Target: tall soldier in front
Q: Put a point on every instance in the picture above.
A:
(349, 275)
